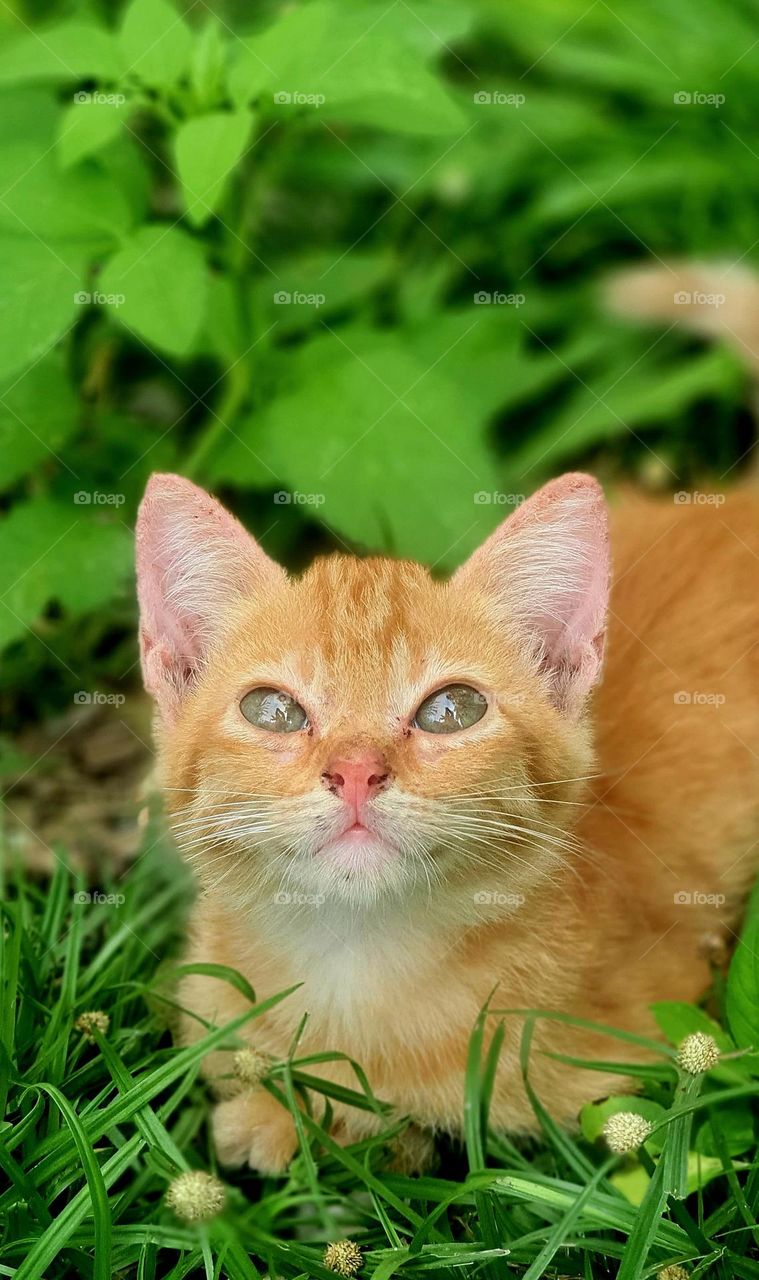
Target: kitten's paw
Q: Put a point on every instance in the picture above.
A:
(253, 1128)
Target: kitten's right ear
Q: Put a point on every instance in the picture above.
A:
(545, 571)
(193, 560)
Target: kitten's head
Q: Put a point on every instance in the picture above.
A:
(363, 732)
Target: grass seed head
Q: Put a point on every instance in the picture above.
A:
(698, 1052)
(93, 1020)
(626, 1131)
(195, 1196)
(343, 1257)
(249, 1066)
(674, 1272)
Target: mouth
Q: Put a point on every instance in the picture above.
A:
(356, 846)
(356, 832)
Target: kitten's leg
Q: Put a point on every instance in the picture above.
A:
(411, 1152)
(253, 1127)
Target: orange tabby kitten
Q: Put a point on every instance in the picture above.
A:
(401, 792)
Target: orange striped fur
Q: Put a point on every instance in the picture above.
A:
(541, 853)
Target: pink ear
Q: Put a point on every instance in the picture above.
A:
(193, 560)
(546, 569)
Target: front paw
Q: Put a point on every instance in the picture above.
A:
(254, 1128)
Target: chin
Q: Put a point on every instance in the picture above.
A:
(360, 868)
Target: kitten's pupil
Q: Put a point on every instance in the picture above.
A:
(448, 710)
(273, 709)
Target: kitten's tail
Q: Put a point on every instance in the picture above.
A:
(715, 299)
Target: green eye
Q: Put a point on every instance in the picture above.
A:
(457, 706)
(274, 710)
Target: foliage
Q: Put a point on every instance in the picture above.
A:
(169, 180)
(93, 1132)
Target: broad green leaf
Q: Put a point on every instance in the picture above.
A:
(37, 300)
(207, 150)
(157, 282)
(736, 1126)
(743, 981)
(222, 331)
(305, 288)
(634, 1182)
(363, 64)
(72, 50)
(51, 551)
(155, 43)
(38, 413)
(208, 64)
(85, 127)
(28, 113)
(82, 206)
(383, 448)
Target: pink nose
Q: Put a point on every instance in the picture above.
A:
(357, 778)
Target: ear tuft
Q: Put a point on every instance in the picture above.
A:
(546, 570)
(193, 561)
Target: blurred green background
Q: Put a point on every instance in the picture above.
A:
(246, 243)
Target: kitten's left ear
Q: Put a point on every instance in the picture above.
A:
(546, 571)
(194, 561)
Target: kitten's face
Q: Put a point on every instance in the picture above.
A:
(362, 732)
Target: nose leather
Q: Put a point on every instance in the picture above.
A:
(355, 779)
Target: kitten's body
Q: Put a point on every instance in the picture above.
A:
(665, 804)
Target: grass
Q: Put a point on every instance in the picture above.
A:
(94, 1132)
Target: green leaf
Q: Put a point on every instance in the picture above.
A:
(53, 552)
(28, 113)
(86, 126)
(158, 281)
(155, 43)
(403, 459)
(38, 414)
(736, 1128)
(37, 299)
(207, 150)
(208, 64)
(365, 65)
(72, 50)
(84, 206)
(318, 284)
(222, 332)
(98, 1194)
(644, 1228)
(743, 981)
